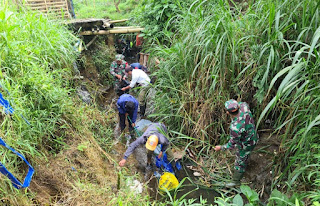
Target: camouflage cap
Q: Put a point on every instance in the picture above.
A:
(119, 57)
(231, 105)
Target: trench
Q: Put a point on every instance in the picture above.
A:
(259, 168)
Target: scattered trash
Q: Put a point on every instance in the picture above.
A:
(128, 138)
(135, 186)
(197, 174)
(157, 175)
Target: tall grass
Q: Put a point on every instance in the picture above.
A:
(103, 9)
(34, 59)
(266, 53)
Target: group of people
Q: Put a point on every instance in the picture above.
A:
(243, 133)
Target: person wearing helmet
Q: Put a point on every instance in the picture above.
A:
(153, 136)
(128, 107)
(243, 137)
(117, 69)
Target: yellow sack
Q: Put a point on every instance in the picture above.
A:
(168, 181)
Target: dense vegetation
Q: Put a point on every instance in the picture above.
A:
(265, 53)
(36, 61)
(104, 9)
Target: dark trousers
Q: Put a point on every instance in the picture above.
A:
(123, 122)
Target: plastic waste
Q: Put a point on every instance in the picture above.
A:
(168, 181)
(178, 165)
(142, 124)
(157, 175)
(163, 162)
(135, 186)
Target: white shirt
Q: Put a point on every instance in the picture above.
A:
(139, 76)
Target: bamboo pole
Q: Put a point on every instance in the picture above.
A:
(67, 9)
(44, 4)
(111, 31)
(124, 27)
(91, 42)
(118, 21)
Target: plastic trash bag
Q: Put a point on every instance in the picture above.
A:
(142, 125)
(168, 181)
(163, 163)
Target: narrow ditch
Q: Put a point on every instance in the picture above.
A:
(259, 170)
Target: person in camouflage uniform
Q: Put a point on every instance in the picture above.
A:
(243, 137)
(117, 70)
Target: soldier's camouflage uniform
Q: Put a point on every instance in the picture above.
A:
(117, 69)
(243, 136)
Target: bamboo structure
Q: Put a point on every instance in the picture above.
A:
(112, 31)
(57, 8)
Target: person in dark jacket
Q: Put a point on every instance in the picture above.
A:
(153, 136)
(127, 107)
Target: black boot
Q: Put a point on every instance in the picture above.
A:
(236, 180)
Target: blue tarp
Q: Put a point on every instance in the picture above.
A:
(15, 182)
(163, 162)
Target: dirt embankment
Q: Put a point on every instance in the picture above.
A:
(84, 171)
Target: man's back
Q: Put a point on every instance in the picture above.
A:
(243, 126)
(139, 76)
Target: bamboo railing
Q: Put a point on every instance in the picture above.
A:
(57, 8)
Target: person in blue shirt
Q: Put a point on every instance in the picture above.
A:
(138, 66)
(127, 107)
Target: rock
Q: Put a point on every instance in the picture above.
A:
(84, 95)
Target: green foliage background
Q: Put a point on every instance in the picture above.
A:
(265, 53)
(103, 9)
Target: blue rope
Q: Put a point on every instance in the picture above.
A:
(15, 182)
(7, 108)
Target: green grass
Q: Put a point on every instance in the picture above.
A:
(103, 9)
(266, 53)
